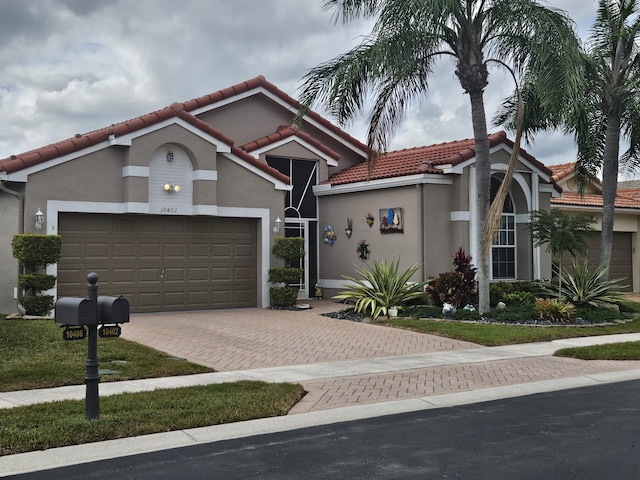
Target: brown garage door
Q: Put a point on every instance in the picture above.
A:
(161, 263)
(621, 263)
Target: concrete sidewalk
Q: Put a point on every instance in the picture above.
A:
(350, 371)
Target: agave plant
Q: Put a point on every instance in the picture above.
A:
(382, 286)
(585, 286)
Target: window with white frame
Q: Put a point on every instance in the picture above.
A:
(503, 250)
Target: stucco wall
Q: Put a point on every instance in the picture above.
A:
(341, 257)
(10, 208)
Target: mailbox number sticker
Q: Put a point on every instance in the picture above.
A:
(74, 333)
(110, 331)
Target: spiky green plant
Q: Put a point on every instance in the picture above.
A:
(586, 286)
(382, 286)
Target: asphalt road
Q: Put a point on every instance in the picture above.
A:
(586, 433)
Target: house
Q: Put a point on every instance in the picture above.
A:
(177, 209)
(625, 247)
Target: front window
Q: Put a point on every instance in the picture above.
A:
(503, 250)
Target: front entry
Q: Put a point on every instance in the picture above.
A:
(307, 229)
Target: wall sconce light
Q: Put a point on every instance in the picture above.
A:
(39, 219)
(170, 156)
(277, 225)
(170, 187)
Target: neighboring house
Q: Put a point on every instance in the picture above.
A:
(625, 247)
(177, 209)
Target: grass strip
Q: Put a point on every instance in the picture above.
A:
(491, 334)
(34, 355)
(613, 351)
(57, 424)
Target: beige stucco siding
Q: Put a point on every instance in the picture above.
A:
(10, 208)
(341, 257)
(442, 237)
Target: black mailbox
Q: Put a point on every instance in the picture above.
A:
(75, 311)
(113, 310)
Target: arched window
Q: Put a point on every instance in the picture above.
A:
(503, 249)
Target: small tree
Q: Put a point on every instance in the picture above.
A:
(35, 252)
(457, 287)
(290, 249)
(560, 233)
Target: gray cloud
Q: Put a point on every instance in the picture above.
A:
(72, 66)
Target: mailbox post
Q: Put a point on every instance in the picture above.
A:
(92, 373)
(77, 313)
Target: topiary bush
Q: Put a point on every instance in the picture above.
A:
(458, 287)
(34, 252)
(289, 249)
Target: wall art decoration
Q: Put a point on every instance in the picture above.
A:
(363, 250)
(349, 230)
(370, 219)
(329, 236)
(392, 220)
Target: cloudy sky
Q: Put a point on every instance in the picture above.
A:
(72, 66)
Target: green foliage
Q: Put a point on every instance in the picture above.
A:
(458, 287)
(514, 313)
(33, 250)
(285, 275)
(462, 314)
(288, 249)
(519, 298)
(559, 232)
(586, 286)
(382, 286)
(283, 296)
(37, 304)
(506, 292)
(36, 283)
(555, 309)
(423, 311)
(598, 315)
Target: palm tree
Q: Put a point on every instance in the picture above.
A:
(611, 108)
(397, 58)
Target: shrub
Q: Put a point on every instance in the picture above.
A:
(502, 291)
(35, 283)
(37, 304)
(598, 315)
(555, 309)
(515, 313)
(519, 298)
(33, 250)
(382, 286)
(458, 287)
(283, 296)
(586, 287)
(423, 311)
(288, 249)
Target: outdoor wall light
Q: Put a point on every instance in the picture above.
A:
(39, 219)
(170, 187)
(170, 156)
(277, 225)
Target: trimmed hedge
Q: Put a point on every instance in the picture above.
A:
(33, 250)
(36, 283)
(37, 305)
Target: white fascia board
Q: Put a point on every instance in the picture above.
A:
(135, 171)
(205, 175)
(126, 140)
(322, 190)
(330, 161)
(283, 104)
(276, 183)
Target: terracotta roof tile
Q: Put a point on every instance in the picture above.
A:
(286, 131)
(628, 200)
(34, 157)
(420, 160)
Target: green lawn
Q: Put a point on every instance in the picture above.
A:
(614, 351)
(50, 425)
(34, 355)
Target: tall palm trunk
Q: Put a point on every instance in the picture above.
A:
(483, 195)
(609, 189)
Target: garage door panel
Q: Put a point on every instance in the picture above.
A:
(161, 263)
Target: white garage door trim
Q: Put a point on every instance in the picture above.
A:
(55, 207)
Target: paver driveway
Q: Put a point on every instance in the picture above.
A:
(241, 339)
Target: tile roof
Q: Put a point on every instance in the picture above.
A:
(628, 196)
(421, 160)
(15, 163)
(284, 132)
